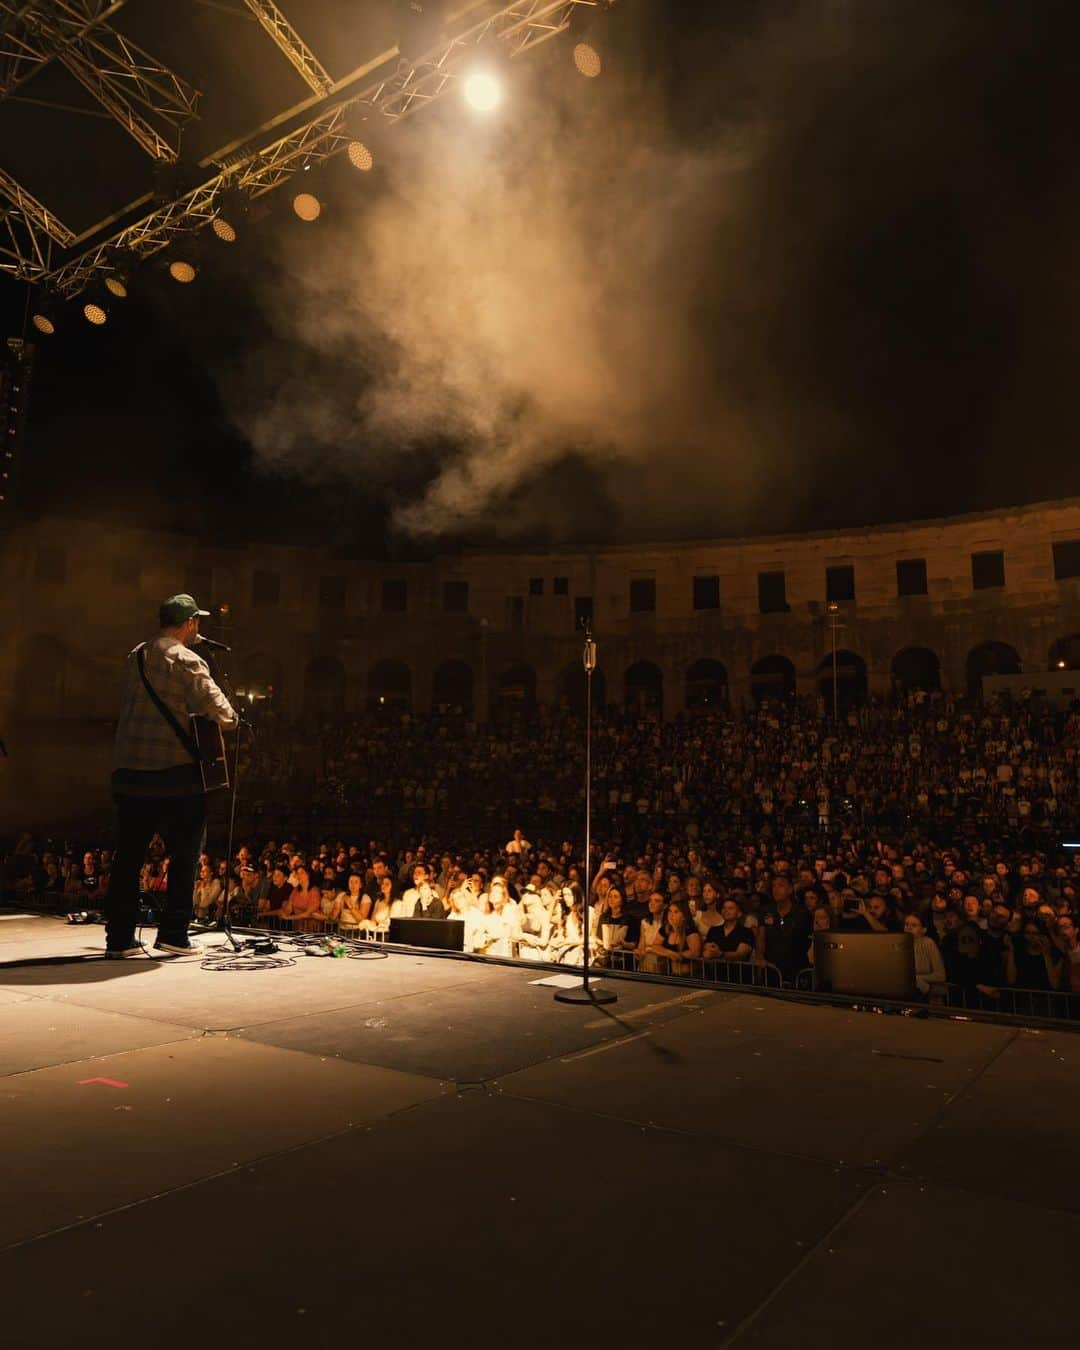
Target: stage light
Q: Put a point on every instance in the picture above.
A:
(119, 274)
(360, 157)
(95, 313)
(232, 208)
(587, 60)
(307, 206)
(43, 314)
(184, 259)
(482, 90)
(183, 271)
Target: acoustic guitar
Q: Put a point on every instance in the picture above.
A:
(210, 743)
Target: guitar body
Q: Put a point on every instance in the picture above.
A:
(210, 740)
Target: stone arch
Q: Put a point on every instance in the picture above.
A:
(706, 686)
(990, 658)
(452, 688)
(772, 677)
(389, 687)
(515, 689)
(850, 679)
(572, 685)
(916, 668)
(324, 686)
(1065, 653)
(643, 689)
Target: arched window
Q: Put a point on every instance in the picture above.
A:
(643, 686)
(260, 683)
(452, 688)
(389, 687)
(990, 658)
(916, 668)
(515, 689)
(572, 689)
(772, 677)
(850, 682)
(706, 686)
(1065, 653)
(324, 686)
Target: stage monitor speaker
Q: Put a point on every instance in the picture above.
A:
(447, 935)
(874, 965)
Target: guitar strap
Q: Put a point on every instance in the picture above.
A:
(184, 737)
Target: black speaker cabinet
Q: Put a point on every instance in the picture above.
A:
(875, 965)
(446, 935)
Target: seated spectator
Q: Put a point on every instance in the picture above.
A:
(356, 906)
(971, 964)
(1031, 959)
(535, 926)
(207, 897)
(421, 900)
(678, 942)
(331, 899)
(730, 940)
(502, 925)
(277, 893)
(929, 966)
(617, 929)
(303, 910)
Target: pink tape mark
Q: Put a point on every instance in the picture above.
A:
(109, 1082)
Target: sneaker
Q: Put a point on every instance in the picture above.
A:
(184, 948)
(124, 953)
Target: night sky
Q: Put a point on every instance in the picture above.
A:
(785, 266)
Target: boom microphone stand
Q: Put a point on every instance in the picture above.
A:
(587, 993)
(207, 649)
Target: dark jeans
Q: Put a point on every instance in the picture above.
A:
(181, 822)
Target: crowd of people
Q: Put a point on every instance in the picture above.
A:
(722, 843)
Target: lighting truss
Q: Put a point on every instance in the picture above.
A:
(22, 53)
(126, 80)
(291, 45)
(518, 27)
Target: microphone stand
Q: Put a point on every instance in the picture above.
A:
(208, 653)
(587, 993)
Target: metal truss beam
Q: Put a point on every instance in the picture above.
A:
(27, 228)
(23, 51)
(292, 45)
(412, 85)
(126, 80)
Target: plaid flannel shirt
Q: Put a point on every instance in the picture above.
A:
(181, 679)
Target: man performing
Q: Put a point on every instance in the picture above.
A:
(157, 782)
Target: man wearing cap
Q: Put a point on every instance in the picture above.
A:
(156, 783)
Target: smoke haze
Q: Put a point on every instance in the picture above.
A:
(699, 295)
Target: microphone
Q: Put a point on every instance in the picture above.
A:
(201, 641)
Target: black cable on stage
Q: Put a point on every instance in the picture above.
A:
(269, 953)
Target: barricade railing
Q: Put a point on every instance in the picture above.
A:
(1055, 1004)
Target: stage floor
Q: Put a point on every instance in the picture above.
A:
(431, 1152)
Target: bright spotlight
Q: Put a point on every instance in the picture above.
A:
(44, 324)
(587, 60)
(224, 231)
(482, 91)
(43, 315)
(360, 157)
(307, 206)
(94, 313)
(116, 285)
(183, 271)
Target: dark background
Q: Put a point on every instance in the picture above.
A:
(907, 248)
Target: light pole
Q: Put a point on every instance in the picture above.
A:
(834, 623)
(587, 993)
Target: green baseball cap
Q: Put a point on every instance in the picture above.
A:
(179, 608)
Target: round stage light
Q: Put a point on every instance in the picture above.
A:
(482, 91)
(43, 323)
(307, 206)
(587, 60)
(182, 271)
(116, 285)
(224, 231)
(360, 157)
(94, 313)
